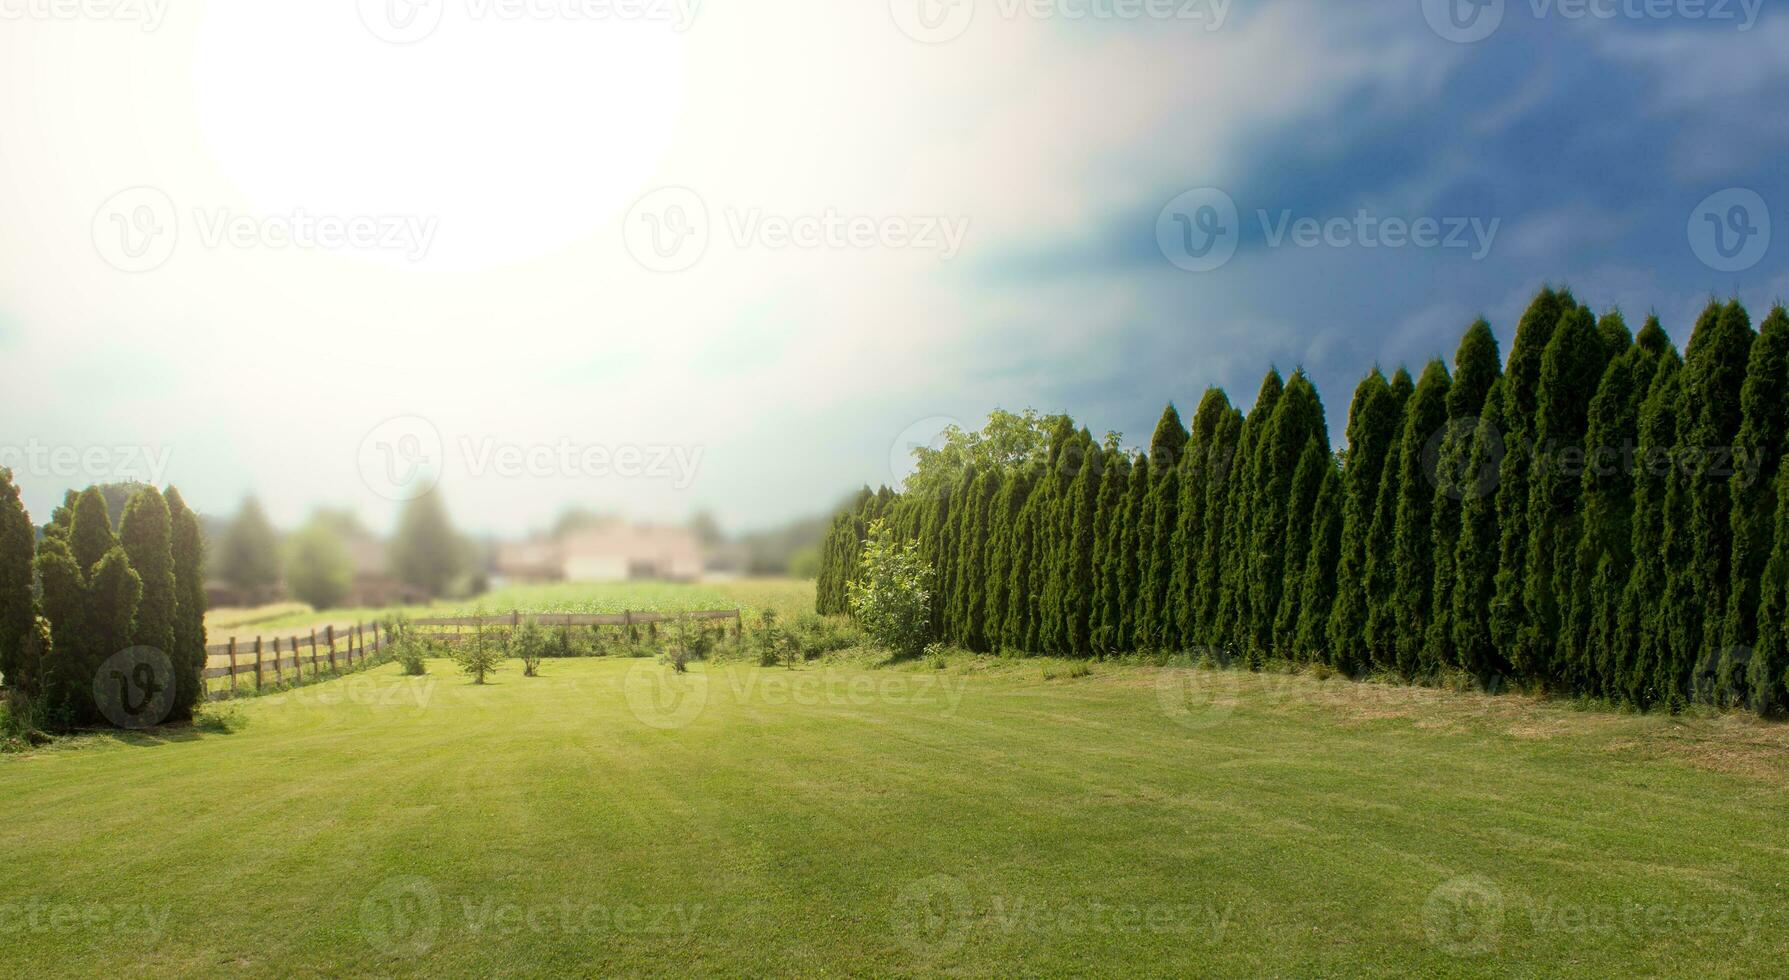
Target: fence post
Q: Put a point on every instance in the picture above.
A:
(232, 666)
(738, 631)
(279, 667)
(257, 664)
(329, 631)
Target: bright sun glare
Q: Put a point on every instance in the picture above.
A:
(550, 134)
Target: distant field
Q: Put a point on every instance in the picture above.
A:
(609, 819)
(787, 596)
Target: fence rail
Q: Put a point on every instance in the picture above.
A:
(331, 649)
(577, 619)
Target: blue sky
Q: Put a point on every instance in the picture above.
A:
(529, 173)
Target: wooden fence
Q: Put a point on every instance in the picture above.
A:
(628, 620)
(280, 657)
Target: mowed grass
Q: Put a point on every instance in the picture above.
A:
(607, 818)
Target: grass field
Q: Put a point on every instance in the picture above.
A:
(608, 818)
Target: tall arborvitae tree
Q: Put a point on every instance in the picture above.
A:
(934, 530)
(1019, 628)
(1475, 554)
(90, 607)
(1767, 676)
(1077, 604)
(1757, 454)
(147, 534)
(1521, 394)
(1570, 371)
(1068, 453)
(1714, 370)
(90, 536)
(1108, 537)
(1222, 469)
(189, 605)
(1639, 642)
(1015, 486)
(1477, 366)
(1280, 526)
(1410, 611)
(1128, 575)
(1156, 613)
(1372, 424)
(1305, 520)
(18, 610)
(1379, 631)
(1590, 590)
(1233, 614)
(969, 596)
(1189, 534)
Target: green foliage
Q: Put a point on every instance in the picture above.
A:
(1373, 422)
(318, 568)
(891, 598)
(1380, 575)
(1407, 611)
(18, 610)
(1280, 531)
(147, 535)
(1758, 449)
(188, 654)
(425, 550)
(1477, 367)
(1006, 441)
(1317, 592)
(1639, 642)
(249, 556)
(478, 658)
(529, 643)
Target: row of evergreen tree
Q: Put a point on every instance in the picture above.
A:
(87, 592)
(1596, 516)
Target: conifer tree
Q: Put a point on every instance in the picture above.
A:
(1019, 630)
(1570, 371)
(189, 604)
(1108, 537)
(1280, 523)
(1233, 614)
(1475, 554)
(1640, 625)
(90, 536)
(1222, 470)
(1304, 521)
(1379, 630)
(1408, 609)
(1122, 610)
(1700, 499)
(1590, 590)
(1372, 420)
(1477, 366)
(90, 609)
(1764, 427)
(1767, 676)
(1189, 535)
(1077, 601)
(248, 557)
(1521, 392)
(18, 610)
(1155, 629)
(147, 535)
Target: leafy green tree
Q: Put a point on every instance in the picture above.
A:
(1571, 368)
(425, 551)
(318, 568)
(1700, 499)
(1763, 430)
(1408, 610)
(1373, 421)
(1521, 392)
(1006, 440)
(249, 556)
(1477, 366)
(891, 597)
(18, 609)
(188, 654)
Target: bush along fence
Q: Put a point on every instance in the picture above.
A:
(477, 629)
(281, 660)
(1598, 515)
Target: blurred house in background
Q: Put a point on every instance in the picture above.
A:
(609, 551)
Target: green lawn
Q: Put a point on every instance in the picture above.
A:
(609, 819)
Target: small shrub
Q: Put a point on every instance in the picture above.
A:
(892, 595)
(478, 659)
(769, 639)
(935, 656)
(530, 644)
(410, 655)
